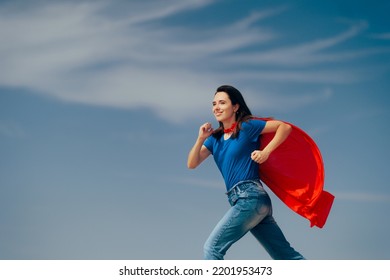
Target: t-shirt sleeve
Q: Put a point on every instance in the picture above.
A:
(253, 128)
(209, 143)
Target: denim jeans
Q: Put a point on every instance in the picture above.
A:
(251, 211)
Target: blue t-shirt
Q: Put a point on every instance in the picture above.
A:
(233, 156)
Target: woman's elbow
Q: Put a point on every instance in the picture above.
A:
(191, 165)
(286, 128)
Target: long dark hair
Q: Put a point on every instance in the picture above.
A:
(243, 113)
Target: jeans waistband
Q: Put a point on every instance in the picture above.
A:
(243, 185)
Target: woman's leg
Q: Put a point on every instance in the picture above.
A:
(268, 233)
(240, 218)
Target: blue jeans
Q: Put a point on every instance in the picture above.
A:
(251, 211)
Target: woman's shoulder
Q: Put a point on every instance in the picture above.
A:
(253, 126)
(254, 121)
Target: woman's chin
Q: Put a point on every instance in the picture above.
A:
(219, 118)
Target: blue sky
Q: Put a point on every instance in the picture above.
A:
(100, 102)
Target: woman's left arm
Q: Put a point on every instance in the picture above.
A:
(281, 129)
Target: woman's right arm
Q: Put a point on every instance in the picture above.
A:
(199, 152)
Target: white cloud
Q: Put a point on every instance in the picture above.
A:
(279, 102)
(299, 76)
(381, 36)
(73, 52)
(305, 53)
(97, 53)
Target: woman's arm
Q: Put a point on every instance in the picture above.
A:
(281, 129)
(199, 152)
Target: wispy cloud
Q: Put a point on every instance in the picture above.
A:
(382, 36)
(95, 53)
(276, 101)
(336, 76)
(76, 52)
(312, 52)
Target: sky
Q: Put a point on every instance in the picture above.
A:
(101, 101)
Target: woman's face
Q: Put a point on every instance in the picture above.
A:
(223, 109)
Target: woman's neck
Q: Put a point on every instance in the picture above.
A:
(229, 122)
(229, 128)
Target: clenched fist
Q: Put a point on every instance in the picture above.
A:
(259, 156)
(205, 130)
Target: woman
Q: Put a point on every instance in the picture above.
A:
(234, 146)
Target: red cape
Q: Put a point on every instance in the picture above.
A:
(295, 173)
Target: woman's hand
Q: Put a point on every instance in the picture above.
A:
(205, 131)
(282, 130)
(199, 152)
(260, 156)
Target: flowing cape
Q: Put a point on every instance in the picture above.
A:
(295, 173)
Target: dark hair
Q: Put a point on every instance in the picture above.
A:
(243, 113)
